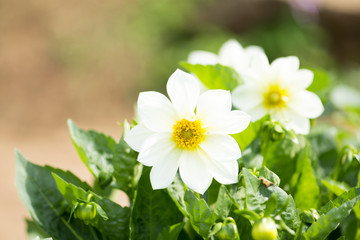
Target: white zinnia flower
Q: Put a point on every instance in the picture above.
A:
(231, 54)
(279, 90)
(190, 133)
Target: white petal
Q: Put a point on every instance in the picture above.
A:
(246, 96)
(231, 52)
(234, 122)
(136, 137)
(301, 79)
(307, 104)
(212, 105)
(221, 146)
(202, 57)
(257, 60)
(289, 64)
(194, 172)
(298, 123)
(184, 91)
(164, 170)
(156, 147)
(156, 111)
(257, 112)
(225, 172)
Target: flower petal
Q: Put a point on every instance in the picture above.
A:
(194, 171)
(225, 172)
(164, 170)
(306, 104)
(257, 112)
(136, 137)
(202, 57)
(246, 96)
(298, 123)
(231, 52)
(156, 147)
(289, 64)
(301, 80)
(156, 111)
(234, 122)
(184, 91)
(212, 105)
(221, 146)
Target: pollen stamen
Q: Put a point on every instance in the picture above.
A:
(188, 134)
(275, 97)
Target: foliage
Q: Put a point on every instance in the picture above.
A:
(281, 192)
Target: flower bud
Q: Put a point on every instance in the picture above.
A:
(228, 230)
(264, 229)
(86, 211)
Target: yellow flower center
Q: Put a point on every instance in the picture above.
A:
(275, 97)
(188, 134)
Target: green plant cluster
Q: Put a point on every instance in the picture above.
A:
(290, 186)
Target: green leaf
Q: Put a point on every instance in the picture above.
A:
(224, 203)
(214, 76)
(176, 191)
(281, 155)
(105, 158)
(127, 170)
(269, 175)
(34, 230)
(171, 232)
(201, 217)
(153, 210)
(307, 190)
(74, 194)
(111, 219)
(353, 193)
(38, 191)
(335, 187)
(246, 137)
(271, 205)
(95, 149)
(332, 214)
(254, 199)
(320, 83)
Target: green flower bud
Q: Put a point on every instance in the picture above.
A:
(228, 230)
(265, 229)
(86, 211)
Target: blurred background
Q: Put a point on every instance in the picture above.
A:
(88, 60)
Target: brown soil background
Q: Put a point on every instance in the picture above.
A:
(57, 62)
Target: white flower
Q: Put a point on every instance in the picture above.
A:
(190, 133)
(279, 90)
(231, 54)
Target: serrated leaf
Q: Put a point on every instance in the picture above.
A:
(96, 150)
(72, 194)
(332, 215)
(223, 204)
(38, 191)
(201, 217)
(254, 200)
(171, 232)
(214, 76)
(153, 210)
(111, 219)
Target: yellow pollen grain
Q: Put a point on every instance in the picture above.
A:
(275, 97)
(188, 134)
